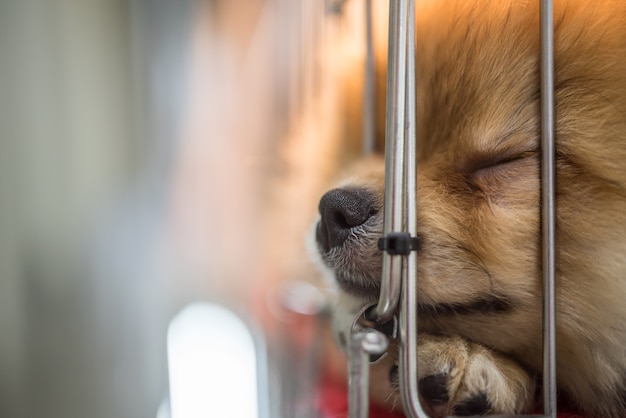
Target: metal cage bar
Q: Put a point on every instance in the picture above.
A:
(394, 154)
(369, 105)
(399, 279)
(364, 343)
(408, 302)
(548, 208)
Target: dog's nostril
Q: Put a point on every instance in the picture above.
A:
(342, 210)
(340, 220)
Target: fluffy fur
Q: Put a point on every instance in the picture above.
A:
(479, 196)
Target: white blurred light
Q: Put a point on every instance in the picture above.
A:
(212, 364)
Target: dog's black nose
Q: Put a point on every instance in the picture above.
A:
(342, 210)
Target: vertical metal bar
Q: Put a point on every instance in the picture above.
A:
(358, 378)
(363, 343)
(408, 303)
(369, 103)
(394, 154)
(548, 207)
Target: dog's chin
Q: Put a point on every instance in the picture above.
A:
(356, 288)
(351, 292)
(350, 283)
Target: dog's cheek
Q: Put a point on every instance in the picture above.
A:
(507, 229)
(471, 238)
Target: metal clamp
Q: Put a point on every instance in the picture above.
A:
(399, 243)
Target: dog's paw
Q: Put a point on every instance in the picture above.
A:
(461, 378)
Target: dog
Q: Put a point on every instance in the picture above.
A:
(479, 195)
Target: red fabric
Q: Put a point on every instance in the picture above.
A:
(562, 414)
(332, 402)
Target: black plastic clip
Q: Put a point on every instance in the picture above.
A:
(399, 243)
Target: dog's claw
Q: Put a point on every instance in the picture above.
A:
(434, 390)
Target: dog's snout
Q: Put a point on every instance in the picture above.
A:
(342, 210)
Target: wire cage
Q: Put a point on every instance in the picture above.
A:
(399, 277)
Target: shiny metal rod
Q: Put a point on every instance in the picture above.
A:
(369, 102)
(394, 155)
(548, 208)
(408, 302)
(400, 274)
(363, 343)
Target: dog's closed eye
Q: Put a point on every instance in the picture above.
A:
(506, 179)
(499, 163)
(504, 166)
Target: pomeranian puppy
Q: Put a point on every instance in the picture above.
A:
(479, 268)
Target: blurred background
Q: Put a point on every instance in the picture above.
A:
(156, 153)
